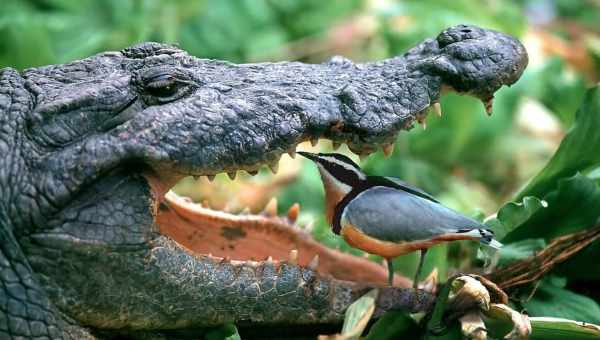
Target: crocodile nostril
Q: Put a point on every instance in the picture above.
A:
(466, 30)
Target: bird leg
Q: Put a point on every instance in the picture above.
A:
(419, 267)
(390, 265)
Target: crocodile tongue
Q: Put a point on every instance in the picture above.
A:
(260, 237)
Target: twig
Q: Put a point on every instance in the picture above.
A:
(532, 268)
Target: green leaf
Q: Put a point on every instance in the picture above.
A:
(514, 214)
(358, 315)
(573, 205)
(577, 151)
(227, 331)
(520, 250)
(394, 325)
(551, 300)
(548, 328)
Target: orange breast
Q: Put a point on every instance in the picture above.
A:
(387, 249)
(332, 197)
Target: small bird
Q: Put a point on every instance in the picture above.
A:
(386, 216)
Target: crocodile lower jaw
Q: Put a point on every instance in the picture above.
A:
(251, 238)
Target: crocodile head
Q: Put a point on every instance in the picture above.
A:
(94, 145)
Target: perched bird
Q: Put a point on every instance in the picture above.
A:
(386, 216)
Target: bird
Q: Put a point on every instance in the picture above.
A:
(388, 217)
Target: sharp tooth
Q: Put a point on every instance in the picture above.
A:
(422, 119)
(271, 207)
(210, 177)
(314, 263)
(437, 108)
(293, 212)
(269, 259)
(246, 211)
(314, 141)
(309, 226)
(388, 149)
(205, 204)
(292, 152)
(430, 282)
(488, 106)
(231, 175)
(335, 145)
(274, 167)
(293, 258)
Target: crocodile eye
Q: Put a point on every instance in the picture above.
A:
(161, 86)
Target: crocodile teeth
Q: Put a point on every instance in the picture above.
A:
(423, 121)
(231, 175)
(293, 212)
(245, 211)
(388, 149)
(269, 259)
(292, 152)
(274, 167)
(437, 108)
(430, 282)
(309, 226)
(210, 178)
(488, 106)
(205, 204)
(314, 263)
(335, 145)
(314, 141)
(293, 258)
(271, 207)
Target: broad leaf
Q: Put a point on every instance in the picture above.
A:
(227, 331)
(547, 328)
(358, 315)
(520, 250)
(394, 325)
(578, 151)
(555, 301)
(573, 205)
(514, 214)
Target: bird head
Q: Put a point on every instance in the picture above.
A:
(338, 169)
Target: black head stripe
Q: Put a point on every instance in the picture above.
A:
(342, 158)
(341, 167)
(342, 174)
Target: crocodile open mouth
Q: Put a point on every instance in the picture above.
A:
(266, 235)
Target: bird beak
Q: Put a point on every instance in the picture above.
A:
(312, 156)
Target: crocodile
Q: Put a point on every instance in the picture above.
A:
(90, 246)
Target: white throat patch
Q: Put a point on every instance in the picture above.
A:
(345, 188)
(344, 165)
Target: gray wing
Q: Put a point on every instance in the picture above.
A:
(401, 183)
(394, 215)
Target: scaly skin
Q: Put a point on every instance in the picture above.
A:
(81, 141)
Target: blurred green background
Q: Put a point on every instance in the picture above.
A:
(471, 162)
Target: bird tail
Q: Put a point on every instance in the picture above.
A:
(485, 236)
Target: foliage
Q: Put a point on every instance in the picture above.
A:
(476, 164)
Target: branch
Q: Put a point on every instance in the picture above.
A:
(534, 267)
